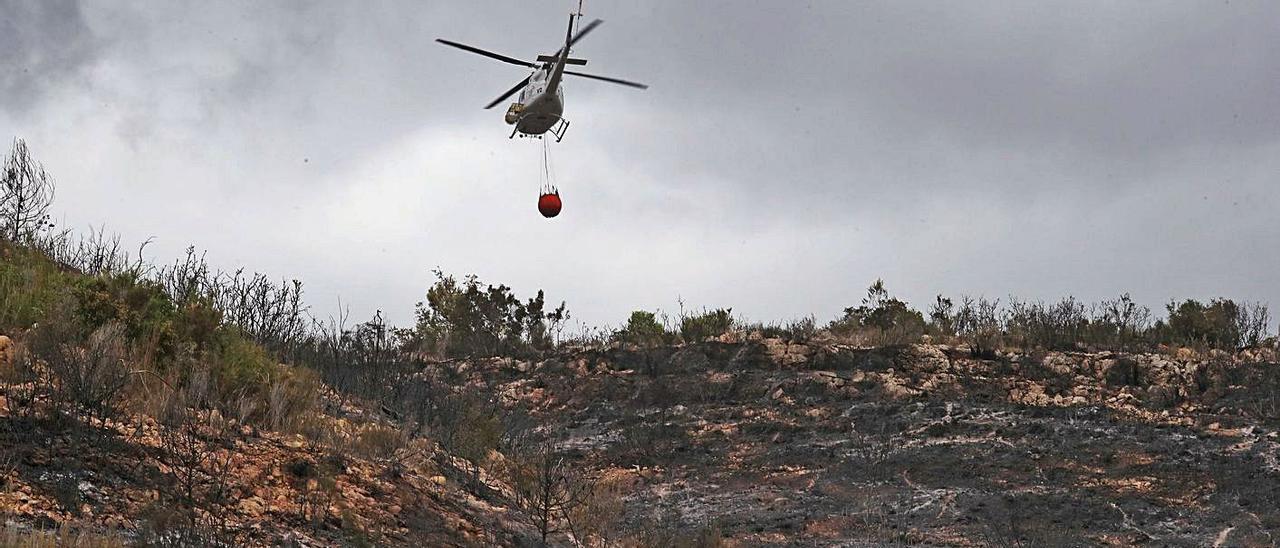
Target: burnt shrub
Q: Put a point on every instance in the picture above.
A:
(378, 442)
(799, 330)
(1057, 326)
(87, 366)
(942, 317)
(979, 324)
(293, 394)
(1119, 324)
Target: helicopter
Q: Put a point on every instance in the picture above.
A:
(540, 106)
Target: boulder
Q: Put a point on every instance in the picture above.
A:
(689, 359)
(1119, 372)
(7, 351)
(786, 353)
(251, 507)
(925, 357)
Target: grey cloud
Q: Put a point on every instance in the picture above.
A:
(786, 154)
(44, 45)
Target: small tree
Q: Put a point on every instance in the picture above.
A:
(942, 317)
(548, 489)
(26, 192)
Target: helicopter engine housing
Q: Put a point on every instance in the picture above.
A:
(513, 113)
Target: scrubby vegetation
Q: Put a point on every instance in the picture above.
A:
(708, 323)
(472, 319)
(881, 320)
(642, 329)
(985, 325)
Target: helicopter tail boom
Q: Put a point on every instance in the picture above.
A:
(561, 58)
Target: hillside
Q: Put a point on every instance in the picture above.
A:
(131, 414)
(118, 481)
(743, 442)
(136, 412)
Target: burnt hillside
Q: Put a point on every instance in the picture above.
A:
(766, 442)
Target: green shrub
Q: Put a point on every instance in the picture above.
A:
(467, 425)
(1192, 323)
(881, 320)
(30, 286)
(141, 307)
(710, 323)
(240, 365)
(196, 323)
(472, 319)
(642, 329)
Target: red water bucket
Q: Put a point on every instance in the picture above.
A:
(549, 204)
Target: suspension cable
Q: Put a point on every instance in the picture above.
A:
(548, 172)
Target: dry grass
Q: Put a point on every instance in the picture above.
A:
(11, 537)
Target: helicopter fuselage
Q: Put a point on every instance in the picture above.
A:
(539, 106)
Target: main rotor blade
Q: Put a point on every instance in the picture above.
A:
(608, 79)
(583, 31)
(509, 93)
(488, 54)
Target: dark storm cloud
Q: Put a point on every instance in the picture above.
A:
(42, 46)
(786, 154)
(1101, 89)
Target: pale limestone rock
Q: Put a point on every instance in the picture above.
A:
(6, 352)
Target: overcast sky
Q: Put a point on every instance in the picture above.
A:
(787, 154)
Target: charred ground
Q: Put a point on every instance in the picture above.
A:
(820, 443)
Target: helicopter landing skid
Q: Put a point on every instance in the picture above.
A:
(558, 130)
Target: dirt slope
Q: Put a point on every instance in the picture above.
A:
(126, 480)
